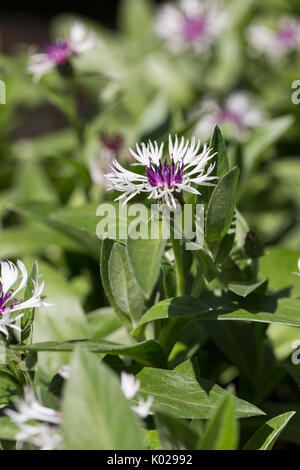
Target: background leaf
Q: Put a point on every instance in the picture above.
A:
(90, 420)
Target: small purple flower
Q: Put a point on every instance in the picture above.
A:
(182, 168)
(79, 41)
(240, 111)
(193, 28)
(59, 52)
(278, 41)
(193, 24)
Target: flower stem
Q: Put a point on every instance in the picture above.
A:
(178, 267)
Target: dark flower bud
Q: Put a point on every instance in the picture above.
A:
(254, 247)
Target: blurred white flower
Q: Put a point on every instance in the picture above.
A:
(276, 42)
(298, 273)
(46, 433)
(28, 408)
(129, 385)
(192, 24)
(80, 40)
(8, 303)
(143, 407)
(164, 179)
(241, 111)
(43, 436)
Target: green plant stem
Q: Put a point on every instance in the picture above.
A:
(170, 333)
(178, 267)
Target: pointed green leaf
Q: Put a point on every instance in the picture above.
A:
(185, 396)
(266, 436)
(218, 145)
(245, 288)
(177, 307)
(106, 249)
(221, 206)
(27, 319)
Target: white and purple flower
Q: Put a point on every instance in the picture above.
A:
(193, 24)
(240, 111)
(11, 274)
(276, 42)
(181, 168)
(44, 434)
(58, 53)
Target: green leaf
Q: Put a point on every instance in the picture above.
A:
(14, 242)
(9, 388)
(77, 223)
(174, 434)
(177, 307)
(221, 207)
(135, 18)
(8, 429)
(221, 432)
(218, 145)
(245, 288)
(65, 320)
(265, 309)
(106, 249)
(147, 352)
(95, 409)
(169, 279)
(227, 243)
(145, 259)
(206, 263)
(282, 278)
(152, 441)
(264, 136)
(102, 322)
(266, 436)
(27, 319)
(184, 396)
(124, 287)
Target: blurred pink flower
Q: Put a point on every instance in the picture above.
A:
(193, 24)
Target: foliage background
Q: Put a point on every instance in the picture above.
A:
(48, 204)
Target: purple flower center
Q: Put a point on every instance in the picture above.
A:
(287, 36)
(165, 174)
(4, 298)
(229, 116)
(59, 52)
(193, 28)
